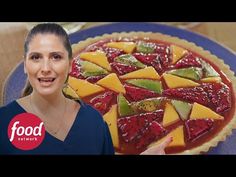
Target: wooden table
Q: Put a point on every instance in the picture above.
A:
(224, 33)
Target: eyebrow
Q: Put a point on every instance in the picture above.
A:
(33, 53)
(38, 53)
(57, 52)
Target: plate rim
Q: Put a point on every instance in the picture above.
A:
(172, 30)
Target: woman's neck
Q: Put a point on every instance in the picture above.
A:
(52, 111)
(47, 103)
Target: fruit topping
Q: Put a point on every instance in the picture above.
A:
(188, 61)
(69, 91)
(121, 68)
(170, 115)
(177, 138)
(127, 47)
(102, 102)
(152, 85)
(147, 105)
(98, 57)
(177, 53)
(214, 95)
(111, 120)
(146, 73)
(112, 53)
(124, 108)
(209, 71)
(83, 88)
(197, 128)
(189, 73)
(137, 94)
(200, 112)
(173, 81)
(129, 59)
(112, 82)
(150, 60)
(211, 79)
(94, 79)
(141, 129)
(76, 70)
(183, 108)
(90, 69)
(145, 47)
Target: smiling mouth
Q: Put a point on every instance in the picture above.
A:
(46, 79)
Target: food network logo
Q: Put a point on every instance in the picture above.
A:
(26, 131)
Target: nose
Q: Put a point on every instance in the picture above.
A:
(46, 67)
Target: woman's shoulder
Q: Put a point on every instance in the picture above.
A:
(9, 106)
(8, 111)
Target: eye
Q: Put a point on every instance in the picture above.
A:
(35, 57)
(56, 57)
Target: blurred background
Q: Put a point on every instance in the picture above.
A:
(12, 37)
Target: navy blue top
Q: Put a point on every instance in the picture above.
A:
(89, 134)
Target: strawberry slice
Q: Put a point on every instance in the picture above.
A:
(214, 95)
(160, 60)
(195, 94)
(151, 59)
(136, 94)
(146, 58)
(76, 70)
(102, 102)
(121, 68)
(220, 96)
(163, 51)
(188, 61)
(112, 53)
(197, 128)
(94, 79)
(151, 133)
(133, 127)
(165, 61)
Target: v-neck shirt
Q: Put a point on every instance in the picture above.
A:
(88, 135)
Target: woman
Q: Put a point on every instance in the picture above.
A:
(72, 127)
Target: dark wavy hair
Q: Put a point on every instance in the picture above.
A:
(46, 28)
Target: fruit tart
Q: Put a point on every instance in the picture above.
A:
(148, 86)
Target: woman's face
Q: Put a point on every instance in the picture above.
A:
(47, 64)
